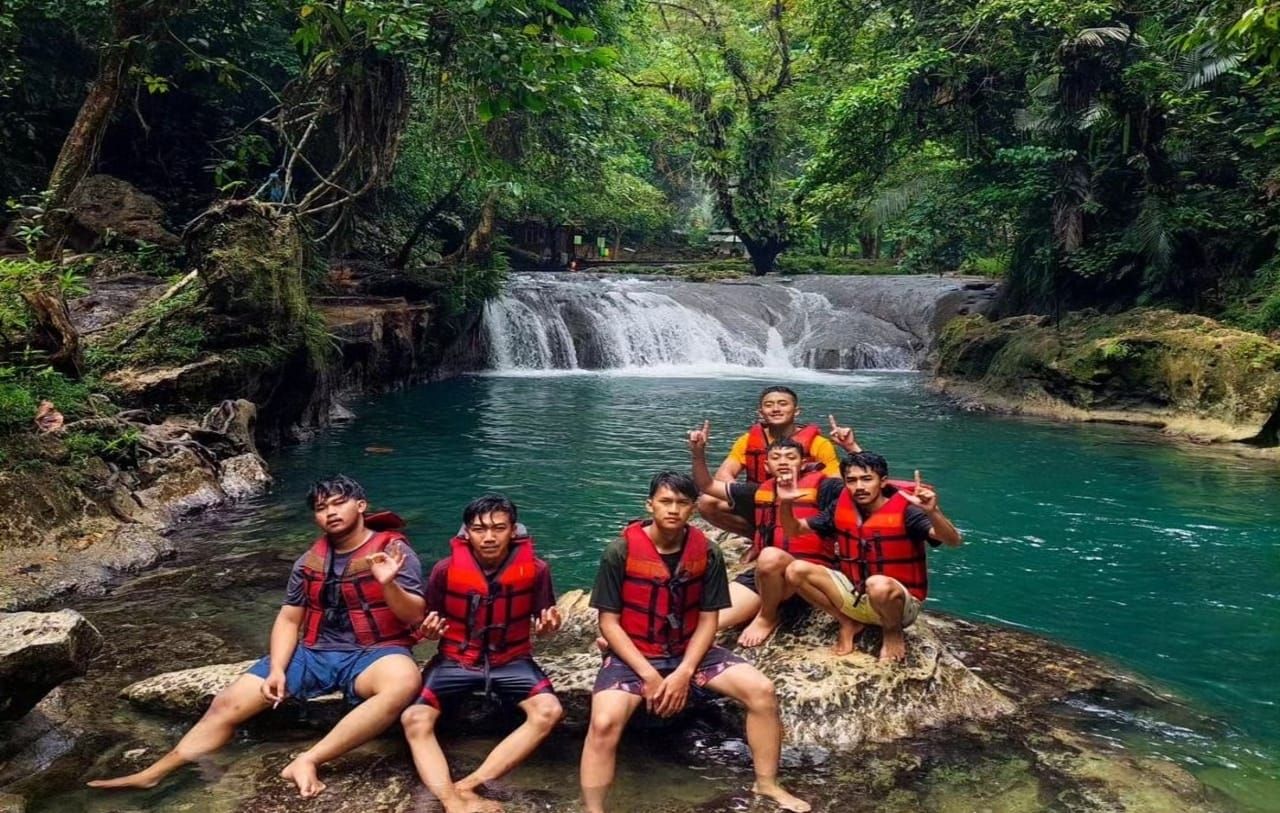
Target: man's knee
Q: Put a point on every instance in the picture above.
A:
(884, 591)
(797, 572)
(393, 676)
(236, 702)
(544, 711)
(606, 726)
(773, 561)
(760, 695)
(419, 720)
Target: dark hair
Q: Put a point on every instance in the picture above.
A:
(779, 388)
(489, 504)
(339, 485)
(786, 443)
(865, 460)
(678, 482)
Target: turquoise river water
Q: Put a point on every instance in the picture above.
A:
(1158, 556)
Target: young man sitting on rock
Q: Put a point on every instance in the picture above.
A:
(778, 409)
(347, 624)
(759, 594)
(486, 600)
(880, 531)
(659, 590)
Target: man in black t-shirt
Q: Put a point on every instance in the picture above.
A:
(659, 591)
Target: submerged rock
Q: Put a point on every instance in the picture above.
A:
(1186, 374)
(37, 652)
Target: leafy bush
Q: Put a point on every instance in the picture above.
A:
(835, 266)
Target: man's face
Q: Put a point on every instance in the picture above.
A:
(864, 485)
(669, 508)
(338, 515)
(778, 409)
(490, 537)
(784, 463)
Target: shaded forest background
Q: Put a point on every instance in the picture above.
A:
(1091, 154)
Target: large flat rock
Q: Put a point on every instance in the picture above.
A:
(37, 652)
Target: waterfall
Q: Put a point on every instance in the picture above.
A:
(581, 321)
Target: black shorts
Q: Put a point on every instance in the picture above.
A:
(514, 682)
(615, 675)
(747, 510)
(794, 606)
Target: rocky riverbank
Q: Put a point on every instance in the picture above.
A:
(979, 718)
(1186, 375)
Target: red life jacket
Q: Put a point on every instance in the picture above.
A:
(769, 532)
(489, 616)
(372, 621)
(758, 449)
(660, 609)
(879, 544)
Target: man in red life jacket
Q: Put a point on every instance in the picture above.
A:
(880, 533)
(659, 590)
(760, 593)
(347, 623)
(779, 408)
(486, 600)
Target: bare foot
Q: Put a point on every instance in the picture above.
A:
(757, 632)
(849, 632)
(785, 800)
(475, 803)
(302, 772)
(141, 779)
(894, 647)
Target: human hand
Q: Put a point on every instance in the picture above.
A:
(385, 564)
(650, 689)
(672, 694)
(698, 438)
(843, 436)
(785, 488)
(274, 687)
(432, 627)
(548, 622)
(924, 496)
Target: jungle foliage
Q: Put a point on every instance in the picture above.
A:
(1098, 153)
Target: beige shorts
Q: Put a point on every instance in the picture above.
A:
(858, 607)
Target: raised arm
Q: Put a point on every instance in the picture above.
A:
(702, 478)
(940, 528)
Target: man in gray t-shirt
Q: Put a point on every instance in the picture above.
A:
(353, 602)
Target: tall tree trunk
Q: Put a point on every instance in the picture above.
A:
(480, 242)
(420, 228)
(54, 334)
(869, 245)
(763, 253)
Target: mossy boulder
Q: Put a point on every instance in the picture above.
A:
(1187, 374)
(252, 261)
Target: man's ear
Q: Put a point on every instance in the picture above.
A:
(362, 506)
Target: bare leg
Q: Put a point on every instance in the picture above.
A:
(419, 723)
(889, 599)
(771, 569)
(610, 711)
(744, 683)
(232, 706)
(390, 684)
(718, 513)
(815, 584)
(542, 713)
(744, 604)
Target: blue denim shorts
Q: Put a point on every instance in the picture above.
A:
(313, 672)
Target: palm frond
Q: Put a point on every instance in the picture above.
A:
(894, 201)
(1203, 66)
(1100, 36)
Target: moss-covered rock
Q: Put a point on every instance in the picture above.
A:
(1187, 374)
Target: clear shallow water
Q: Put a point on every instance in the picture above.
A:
(1161, 557)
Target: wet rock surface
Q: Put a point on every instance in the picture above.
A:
(1185, 374)
(38, 651)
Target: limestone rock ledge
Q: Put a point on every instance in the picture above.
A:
(1185, 374)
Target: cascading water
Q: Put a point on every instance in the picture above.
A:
(580, 321)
